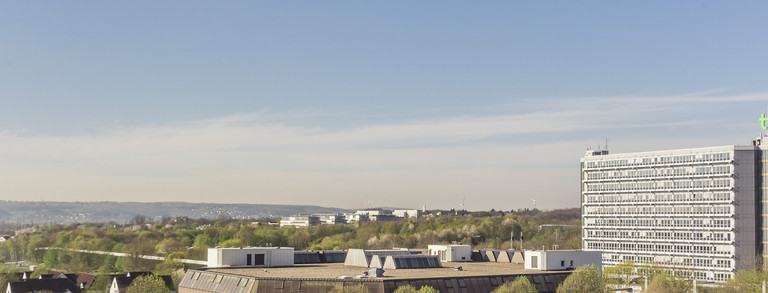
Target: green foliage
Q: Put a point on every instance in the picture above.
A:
(519, 285)
(190, 238)
(666, 283)
(623, 273)
(584, 279)
(745, 281)
(101, 283)
(231, 243)
(7, 277)
(148, 284)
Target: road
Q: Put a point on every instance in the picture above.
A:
(152, 257)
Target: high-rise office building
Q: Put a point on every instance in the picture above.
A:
(695, 212)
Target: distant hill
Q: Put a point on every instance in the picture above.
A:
(83, 212)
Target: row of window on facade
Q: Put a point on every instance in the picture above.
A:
(660, 160)
(665, 184)
(655, 222)
(676, 235)
(644, 210)
(679, 248)
(660, 172)
(682, 273)
(660, 197)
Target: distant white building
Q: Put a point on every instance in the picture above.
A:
(331, 219)
(300, 221)
(250, 256)
(407, 213)
(558, 260)
(451, 252)
(373, 212)
(357, 218)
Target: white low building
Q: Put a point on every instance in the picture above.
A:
(250, 256)
(407, 213)
(450, 252)
(559, 260)
(300, 221)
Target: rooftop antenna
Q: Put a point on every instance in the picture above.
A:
(534, 203)
(606, 143)
(462, 203)
(369, 204)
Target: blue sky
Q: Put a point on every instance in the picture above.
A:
(335, 102)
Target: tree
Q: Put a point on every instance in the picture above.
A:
(148, 284)
(584, 279)
(666, 283)
(138, 219)
(519, 285)
(746, 281)
(624, 272)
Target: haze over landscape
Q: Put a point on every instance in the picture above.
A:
(337, 103)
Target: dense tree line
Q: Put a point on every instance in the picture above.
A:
(183, 238)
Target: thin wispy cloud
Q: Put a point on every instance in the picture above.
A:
(260, 153)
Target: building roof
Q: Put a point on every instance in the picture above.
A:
(55, 285)
(125, 280)
(335, 270)
(475, 277)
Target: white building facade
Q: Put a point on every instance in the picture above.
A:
(693, 211)
(300, 221)
(250, 256)
(451, 252)
(560, 260)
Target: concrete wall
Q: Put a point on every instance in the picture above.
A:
(746, 198)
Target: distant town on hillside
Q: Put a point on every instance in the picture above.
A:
(44, 212)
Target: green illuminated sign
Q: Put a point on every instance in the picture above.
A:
(762, 121)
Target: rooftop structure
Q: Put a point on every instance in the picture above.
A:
(451, 252)
(409, 262)
(250, 256)
(557, 260)
(363, 257)
(475, 277)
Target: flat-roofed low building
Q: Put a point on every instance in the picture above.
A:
(250, 256)
(407, 213)
(300, 221)
(357, 218)
(451, 252)
(331, 219)
(385, 218)
(557, 260)
(334, 277)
